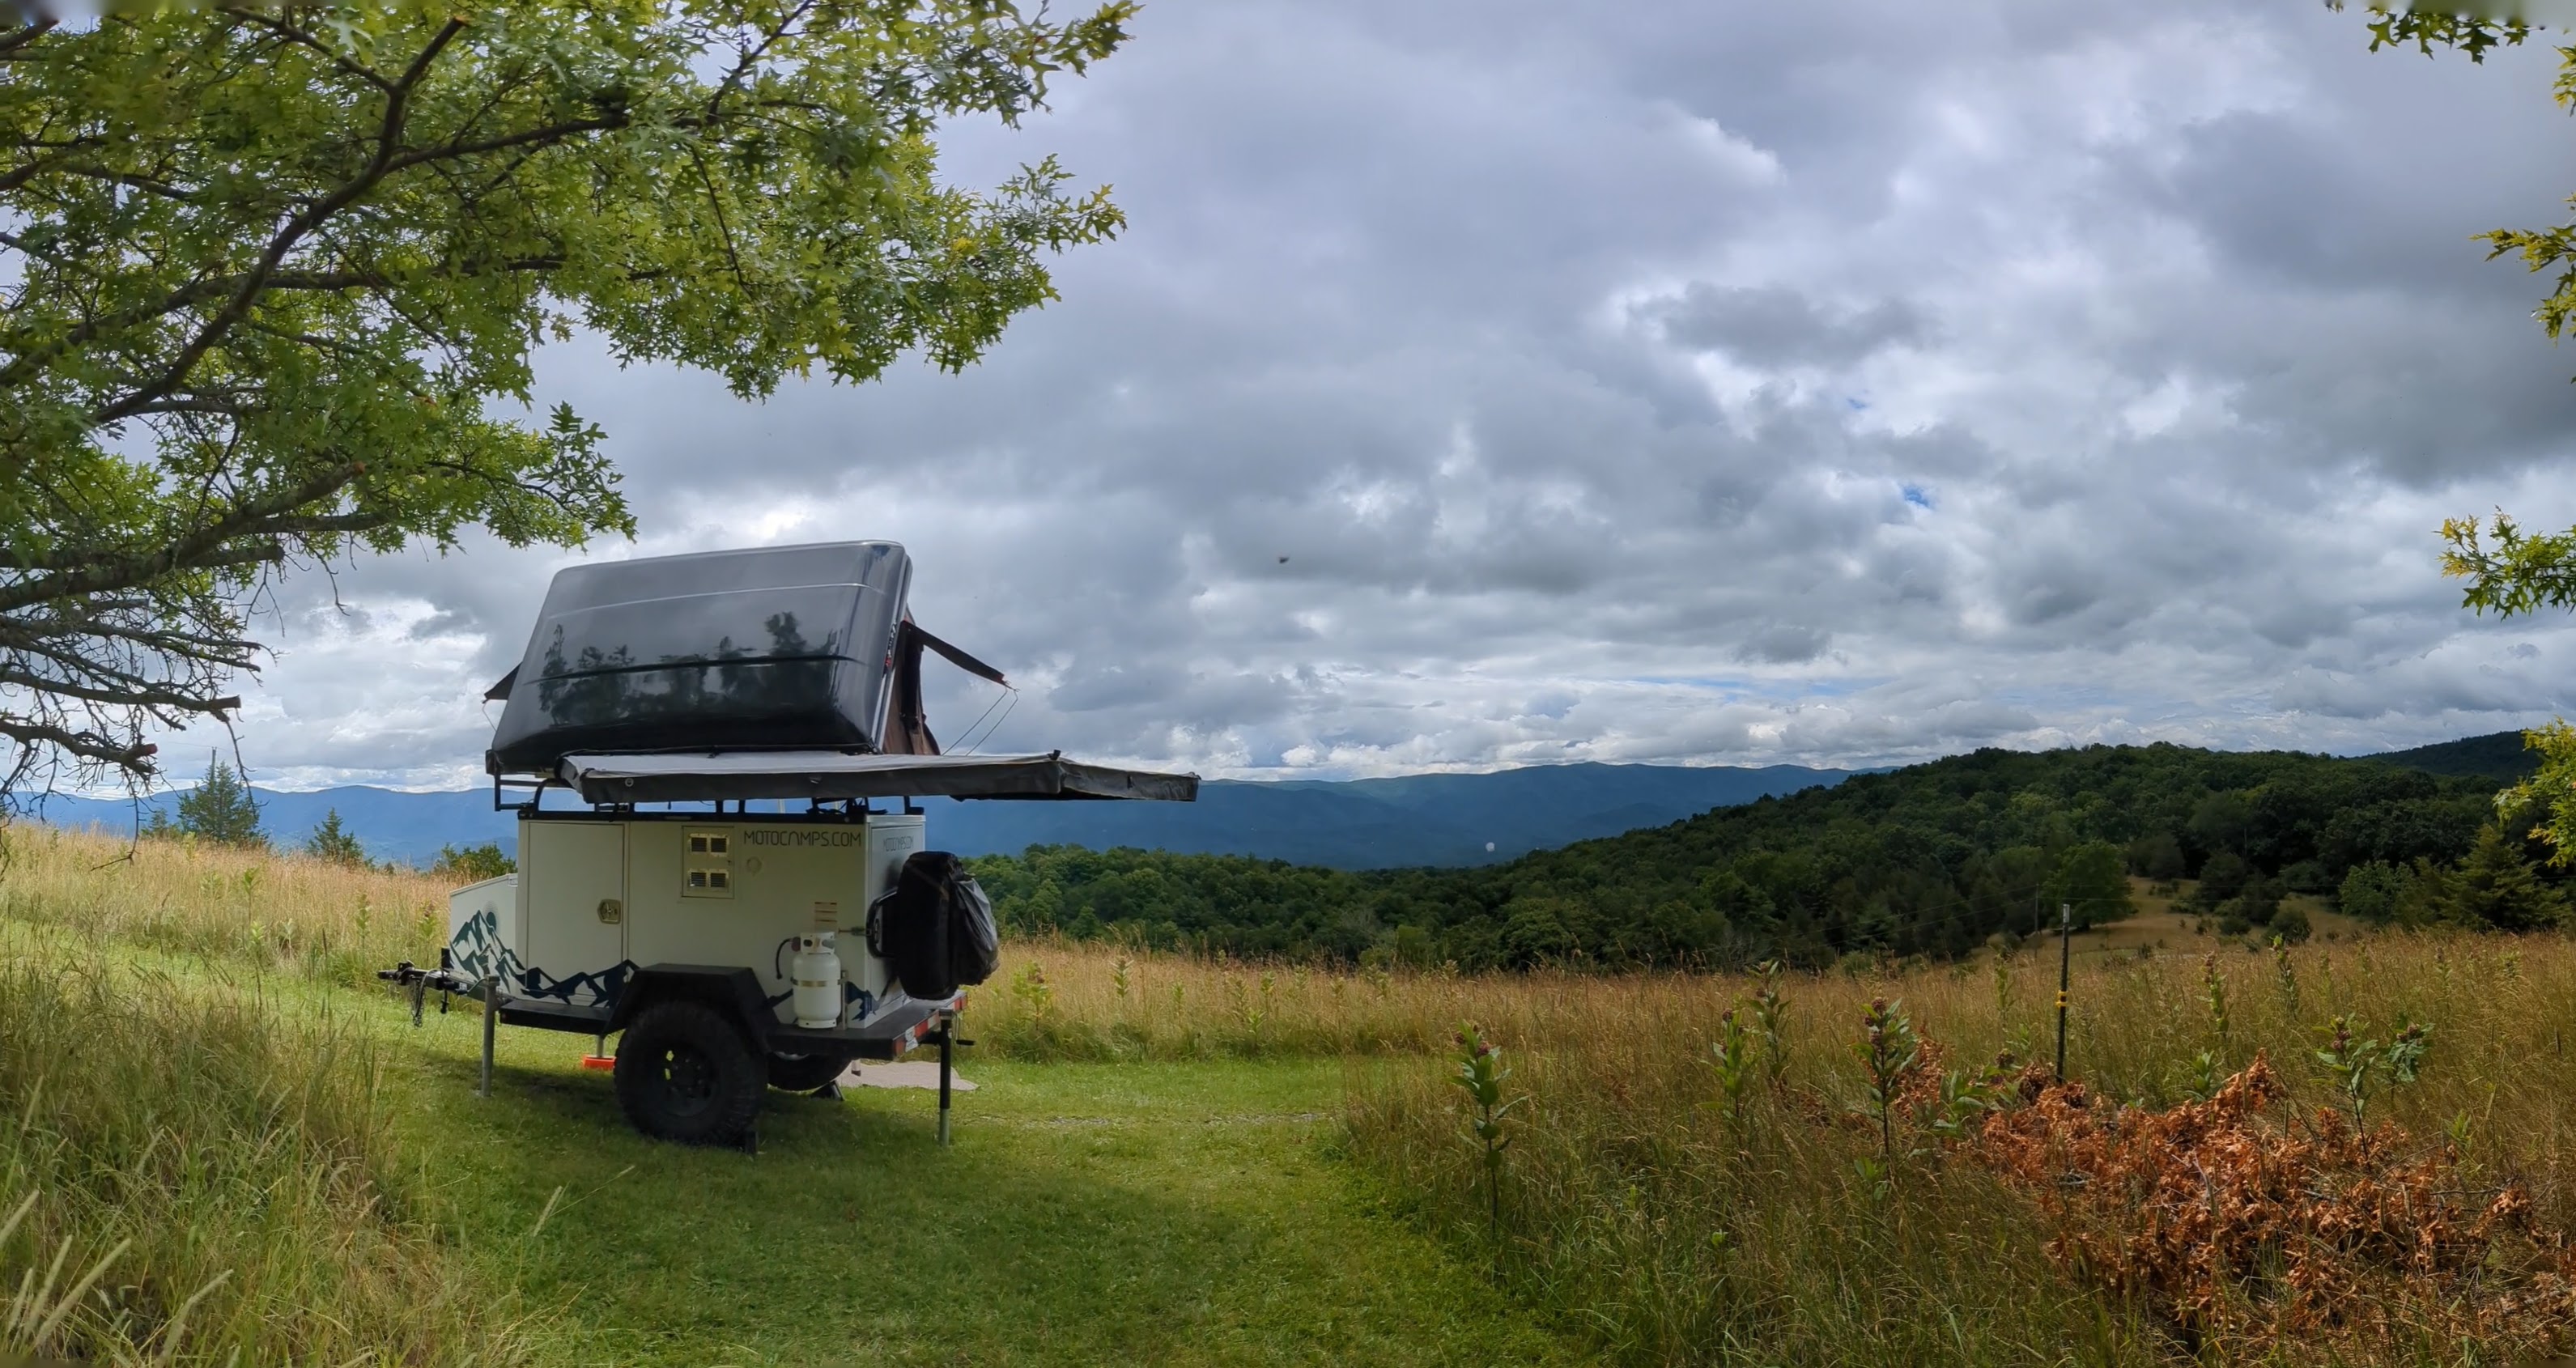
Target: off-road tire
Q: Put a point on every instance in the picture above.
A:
(805, 1073)
(686, 1074)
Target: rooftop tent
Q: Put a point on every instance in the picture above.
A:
(777, 648)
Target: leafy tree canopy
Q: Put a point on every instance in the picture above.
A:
(273, 276)
(473, 864)
(2547, 799)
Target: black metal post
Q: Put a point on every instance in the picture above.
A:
(947, 1031)
(491, 1017)
(2065, 964)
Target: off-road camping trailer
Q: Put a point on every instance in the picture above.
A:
(733, 950)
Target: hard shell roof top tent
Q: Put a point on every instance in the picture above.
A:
(787, 673)
(757, 649)
(773, 668)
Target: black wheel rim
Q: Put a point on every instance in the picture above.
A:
(688, 1080)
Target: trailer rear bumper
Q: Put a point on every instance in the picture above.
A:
(887, 1035)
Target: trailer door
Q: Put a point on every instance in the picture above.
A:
(892, 839)
(573, 877)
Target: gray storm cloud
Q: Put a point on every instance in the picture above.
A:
(1487, 385)
(1772, 325)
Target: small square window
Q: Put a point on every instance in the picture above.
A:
(706, 864)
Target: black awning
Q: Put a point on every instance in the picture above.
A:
(830, 776)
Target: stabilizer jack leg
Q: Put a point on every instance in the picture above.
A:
(947, 1033)
(491, 1018)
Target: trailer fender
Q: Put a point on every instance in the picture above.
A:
(733, 991)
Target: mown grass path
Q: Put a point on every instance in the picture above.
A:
(1086, 1213)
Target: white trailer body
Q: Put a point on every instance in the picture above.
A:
(604, 893)
(484, 927)
(693, 935)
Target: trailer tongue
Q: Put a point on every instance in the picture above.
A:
(647, 683)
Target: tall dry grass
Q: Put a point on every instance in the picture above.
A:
(1681, 1237)
(1639, 1213)
(254, 909)
(2503, 1011)
(1058, 999)
(199, 1149)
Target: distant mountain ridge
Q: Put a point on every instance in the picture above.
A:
(2500, 756)
(1440, 820)
(392, 824)
(1412, 820)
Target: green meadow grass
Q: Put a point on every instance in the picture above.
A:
(1184, 1213)
(209, 1106)
(202, 1170)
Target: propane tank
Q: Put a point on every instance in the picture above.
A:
(816, 972)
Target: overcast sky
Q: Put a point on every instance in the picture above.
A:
(1495, 383)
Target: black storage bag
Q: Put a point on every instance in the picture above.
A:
(905, 929)
(974, 942)
(934, 928)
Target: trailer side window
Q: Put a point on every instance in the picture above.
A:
(708, 869)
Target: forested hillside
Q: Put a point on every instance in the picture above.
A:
(1933, 859)
(2498, 756)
